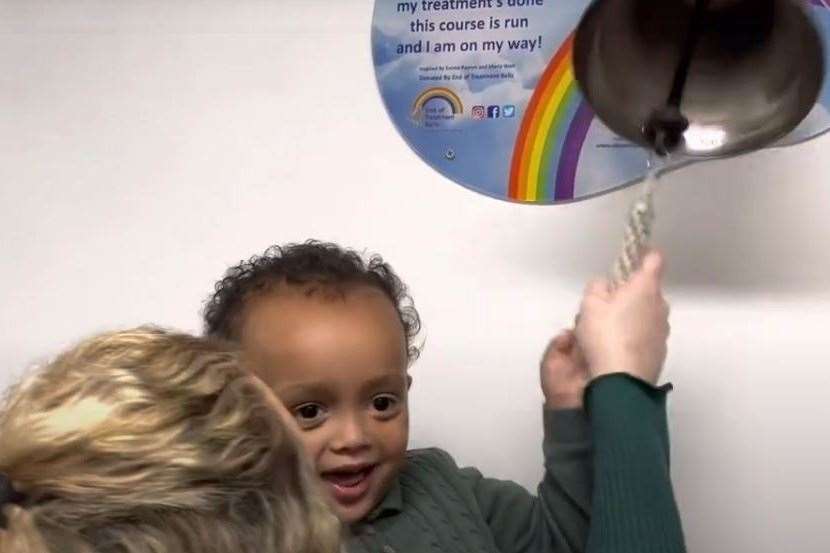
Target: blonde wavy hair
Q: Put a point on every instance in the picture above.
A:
(147, 441)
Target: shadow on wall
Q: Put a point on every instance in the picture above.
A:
(757, 224)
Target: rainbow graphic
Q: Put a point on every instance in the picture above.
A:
(550, 139)
(431, 94)
(820, 3)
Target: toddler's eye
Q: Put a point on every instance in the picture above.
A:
(309, 414)
(385, 404)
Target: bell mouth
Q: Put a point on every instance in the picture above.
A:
(714, 78)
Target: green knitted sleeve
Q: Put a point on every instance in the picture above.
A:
(633, 505)
(556, 520)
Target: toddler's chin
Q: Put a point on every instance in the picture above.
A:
(351, 514)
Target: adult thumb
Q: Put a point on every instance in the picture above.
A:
(654, 264)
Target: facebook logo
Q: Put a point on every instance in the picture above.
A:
(493, 112)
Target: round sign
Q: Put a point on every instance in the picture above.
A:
(484, 92)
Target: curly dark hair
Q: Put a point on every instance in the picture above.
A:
(309, 263)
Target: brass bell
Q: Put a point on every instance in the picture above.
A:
(701, 78)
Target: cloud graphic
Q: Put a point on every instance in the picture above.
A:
(383, 47)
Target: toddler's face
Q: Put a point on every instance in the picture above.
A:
(339, 366)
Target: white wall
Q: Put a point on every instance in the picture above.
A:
(146, 145)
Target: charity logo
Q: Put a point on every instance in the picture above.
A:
(479, 112)
(444, 104)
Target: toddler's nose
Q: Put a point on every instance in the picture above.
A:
(352, 435)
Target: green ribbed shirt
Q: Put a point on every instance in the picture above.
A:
(606, 489)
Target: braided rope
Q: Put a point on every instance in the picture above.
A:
(637, 234)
